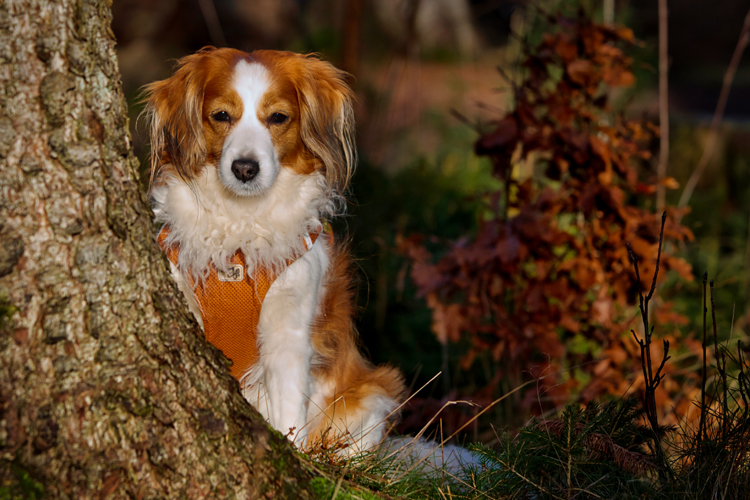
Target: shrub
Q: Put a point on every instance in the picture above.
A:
(547, 273)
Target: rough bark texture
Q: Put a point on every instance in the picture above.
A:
(107, 387)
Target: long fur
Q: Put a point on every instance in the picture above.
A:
(177, 136)
(211, 227)
(310, 380)
(328, 120)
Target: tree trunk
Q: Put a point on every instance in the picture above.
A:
(107, 386)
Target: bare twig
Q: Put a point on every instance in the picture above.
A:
(212, 22)
(658, 260)
(651, 379)
(710, 148)
(721, 366)
(702, 424)
(661, 170)
(713, 320)
(352, 22)
(463, 119)
(608, 11)
(508, 79)
(742, 378)
(411, 43)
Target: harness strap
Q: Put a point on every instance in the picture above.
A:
(230, 303)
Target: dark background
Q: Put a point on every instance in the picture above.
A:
(414, 64)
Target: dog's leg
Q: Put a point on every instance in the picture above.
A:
(284, 341)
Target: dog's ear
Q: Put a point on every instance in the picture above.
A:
(174, 108)
(327, 119)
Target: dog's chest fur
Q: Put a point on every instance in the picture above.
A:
(210, 226)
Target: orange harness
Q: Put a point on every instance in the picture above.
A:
(230, 305)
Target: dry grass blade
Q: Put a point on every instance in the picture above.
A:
(398, 408)
(471, 421)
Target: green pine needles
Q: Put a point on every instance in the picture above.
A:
(592, 452)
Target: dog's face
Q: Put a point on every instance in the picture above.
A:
(250, 115)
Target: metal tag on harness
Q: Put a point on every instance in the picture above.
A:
(233, 273)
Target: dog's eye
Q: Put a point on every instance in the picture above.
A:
(221, 116)
(277, 118)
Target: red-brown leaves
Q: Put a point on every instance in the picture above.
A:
(499, 145)
(500, 141)
(551, 265)
(581, 72)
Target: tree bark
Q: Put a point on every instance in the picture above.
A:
(107, 386)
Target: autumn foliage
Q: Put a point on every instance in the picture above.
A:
(546, 276)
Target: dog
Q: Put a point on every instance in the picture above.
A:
(250, 156)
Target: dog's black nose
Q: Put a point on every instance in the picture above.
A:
(245, 169)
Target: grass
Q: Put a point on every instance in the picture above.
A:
(613, 450)
(596, 451)
(592, 452)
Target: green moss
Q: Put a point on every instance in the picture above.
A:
(324, 488)
(6, 311)
(16, 483)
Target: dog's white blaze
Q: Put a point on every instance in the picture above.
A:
(250, 138)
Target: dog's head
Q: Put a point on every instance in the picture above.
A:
(249, 116)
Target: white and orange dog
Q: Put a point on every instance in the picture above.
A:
(250, 154)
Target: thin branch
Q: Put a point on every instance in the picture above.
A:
(658, 378)
(658, 257)
(713, 136)
(702, 424)
(463, 119)
(721, 366)
(713, 320)
(651, 380)
(212, 22)
(608, 12)
(508, 79)
(661, 170)
(742, 378)
(352, 28)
